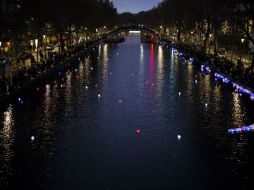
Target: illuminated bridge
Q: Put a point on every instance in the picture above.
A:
(137, 28)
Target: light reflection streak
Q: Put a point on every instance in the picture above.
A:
(151, 67)
(205, 89)
(160, 59)
(160, 69)
(189, 80)
(87, 70)
(7, 137)
(141, 62)
(68, 92)
(237, 111)
(105, 61)
(141, 53)
(8, 125)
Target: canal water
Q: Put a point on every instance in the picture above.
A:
(129, 117)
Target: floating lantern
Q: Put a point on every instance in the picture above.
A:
(179, 137)
(138, 131)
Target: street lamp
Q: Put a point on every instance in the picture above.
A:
(210, 39)
(45, 45)
(191, 38)
(36, 41)
(242, 40)
(161, 30)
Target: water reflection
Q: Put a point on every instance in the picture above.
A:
(160, 71)
(237, 113)
(141, 53)
(105, 60)
(151, 75)
(7, 137)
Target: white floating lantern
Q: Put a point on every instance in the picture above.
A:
(32, 138)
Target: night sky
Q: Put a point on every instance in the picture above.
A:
(134, 6)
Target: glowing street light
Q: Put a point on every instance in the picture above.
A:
(45, 45)
(36, 41)
(242, 40)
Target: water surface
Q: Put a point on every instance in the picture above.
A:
(113, 123)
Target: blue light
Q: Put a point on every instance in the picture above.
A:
(243, 129)
(205, 69)
(252, 97)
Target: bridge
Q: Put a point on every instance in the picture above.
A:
(126, 28)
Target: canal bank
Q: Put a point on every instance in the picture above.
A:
(49, 74)
(219, 69)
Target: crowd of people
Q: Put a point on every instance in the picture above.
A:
(244, 75)
(14, 74)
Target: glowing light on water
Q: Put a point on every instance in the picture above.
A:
(138, 131)
(243, 129)
(32, 138)
(179, 137)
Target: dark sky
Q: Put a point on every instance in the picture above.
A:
(134, 6)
